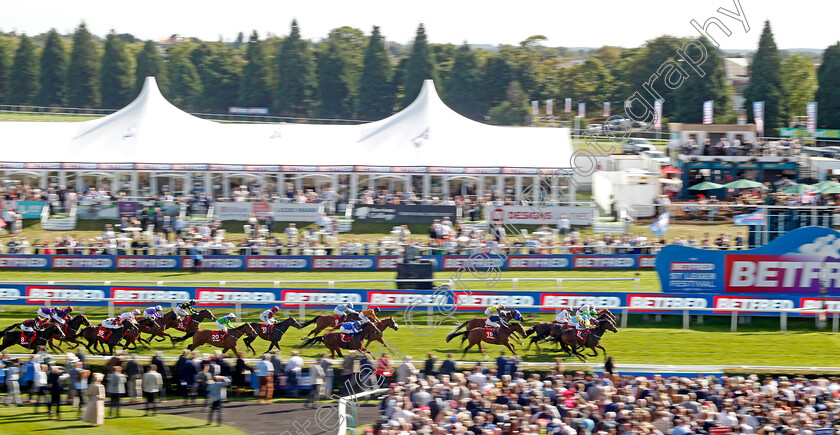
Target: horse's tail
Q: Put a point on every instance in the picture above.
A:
(309, 322)
(455, 332)
(11, 327)
(313, 340)
(178, 340)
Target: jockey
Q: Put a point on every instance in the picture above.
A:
(351, 328)
(45, 313)
(185, 309)
(494, 319)
(369, 315)
(267, 316)
(153, 313)
(112, 323)
(60, 315)
(563, 316)
(130, 316)
(344, 310)
(223, 323)
(28, 326)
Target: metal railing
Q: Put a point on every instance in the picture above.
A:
(625, 311)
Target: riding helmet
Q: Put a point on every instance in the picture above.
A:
(159, 308)
(275, 308)
(232, 316)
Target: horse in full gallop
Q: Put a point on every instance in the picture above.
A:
(71, 332)
(325, 321)
(572, 344)
(334, 343)
(40, 338)
(225, 341)
(190, 324)
(478, 322)
(479, 336)
(110, 337)
(270, 332)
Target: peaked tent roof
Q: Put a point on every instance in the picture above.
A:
(151, 130)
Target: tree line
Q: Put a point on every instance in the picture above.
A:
(352, 75)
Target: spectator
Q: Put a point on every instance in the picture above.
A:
(429, 366)
(163, 369)
(447, 367)
(56, 387)
(216, 393)
(405, 371)
(78, 383)
(134, 373)
(293, 369)
(39, 384)
(12, 385)
(151, 384)
(317, 375)
(95, 411)
(348, 366)
(265, 371)
(115, 389)
(240, 374)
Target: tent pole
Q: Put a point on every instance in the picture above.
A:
(298, 181)
(208, 184)
(444, 186)
(135, 182)
(517, 187)
(427, 185)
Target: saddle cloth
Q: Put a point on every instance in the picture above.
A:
(337, 320)
(582, 334)
(104, 333)
(184, 322)
(490, 332)
(266, 327)
(25, 340)
(217, 336)
(345, 338)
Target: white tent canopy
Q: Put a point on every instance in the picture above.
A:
(151, 133)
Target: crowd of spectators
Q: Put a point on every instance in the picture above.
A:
(501, 402)
(741, 147)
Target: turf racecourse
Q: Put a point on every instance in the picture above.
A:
(21, 420)
(643, 342)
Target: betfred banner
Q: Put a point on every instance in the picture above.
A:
(536, 215)
(242, 211)
(792, 264)
(321, 300)
(403, 214)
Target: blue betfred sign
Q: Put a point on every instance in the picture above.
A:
(794, 263)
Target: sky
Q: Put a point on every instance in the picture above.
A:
(801, 24)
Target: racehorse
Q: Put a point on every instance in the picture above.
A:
(93, 336)
(226, 341)
(192, 325)
(478, 322)
(71, 332)
(570, 341)
(334, 343)
(325, 321)
(41, 338)
(271, 332)
(479, 335)
(382, 325)
(542, 331)
(158, 327)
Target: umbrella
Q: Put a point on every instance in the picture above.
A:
(823, 186)
(670, 170)
(706, 185)
(830, 189)
(798, 189)
(743, 184)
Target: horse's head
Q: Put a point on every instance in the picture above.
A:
(247, 329)
(517, 315)
(81, 318)
(611, 326)
(205, 313)
(390, 323)
(292, 321)
(517, 327)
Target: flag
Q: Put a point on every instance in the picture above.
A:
(582, 109)
(568, 108)
(606, 109)
(758, 116)
(811, 123)
(549, 107)
(754, 218)
(657, 115)
(660, 226)
(535, 107)
(708, 111)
